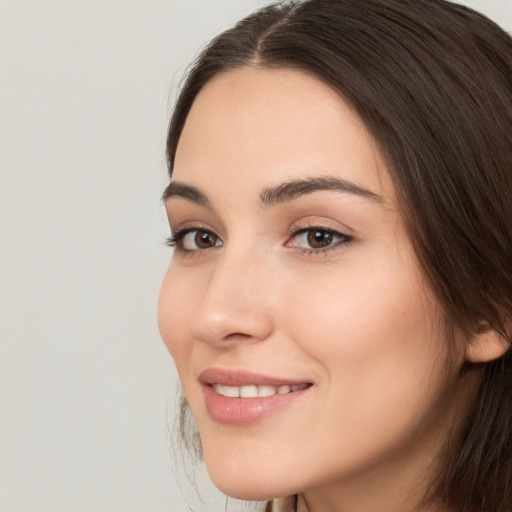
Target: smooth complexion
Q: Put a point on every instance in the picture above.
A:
(292, 265)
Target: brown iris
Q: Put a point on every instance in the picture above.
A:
(205, 240)
(318, 238)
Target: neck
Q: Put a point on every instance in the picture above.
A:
(305, 506)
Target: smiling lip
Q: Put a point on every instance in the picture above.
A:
(260, 395)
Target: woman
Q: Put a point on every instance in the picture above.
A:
(339, 302)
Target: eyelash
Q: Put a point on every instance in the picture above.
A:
(175, 240)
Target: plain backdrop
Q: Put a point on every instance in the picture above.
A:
(86, 89)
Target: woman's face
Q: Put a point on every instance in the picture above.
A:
(294, 284)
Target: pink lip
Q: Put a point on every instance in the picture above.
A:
(243, 378)
(243, 411)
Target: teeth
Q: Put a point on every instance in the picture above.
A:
(256, 391)
(231, 391)
(249, 391)
(266, 390)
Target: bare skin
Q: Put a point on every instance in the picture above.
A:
(293, 263)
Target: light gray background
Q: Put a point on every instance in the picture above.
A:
(85, 381)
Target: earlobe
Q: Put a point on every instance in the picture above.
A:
(486, 345)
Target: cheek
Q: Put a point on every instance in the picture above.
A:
(375, 310)
(175, 304)
(370, 330)
(375, 340)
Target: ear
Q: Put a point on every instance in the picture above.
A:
(486, 345)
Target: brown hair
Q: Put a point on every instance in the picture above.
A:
(432, 82)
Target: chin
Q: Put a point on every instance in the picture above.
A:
(250, 482)
(246, 489)
(246, 492)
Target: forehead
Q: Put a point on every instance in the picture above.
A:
(256, 127)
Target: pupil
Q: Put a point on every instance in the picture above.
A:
(318, 239)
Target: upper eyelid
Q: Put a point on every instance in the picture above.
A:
(191, 226)
(306, 224)
(297, 227)
(318, 228)
(185, 230)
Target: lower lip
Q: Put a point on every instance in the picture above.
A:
(243, 411)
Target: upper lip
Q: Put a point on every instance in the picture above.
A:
(238, 377)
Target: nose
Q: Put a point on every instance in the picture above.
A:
(236, 303)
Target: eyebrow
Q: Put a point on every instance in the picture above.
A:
(279, 194)
(177, 189)
(295, 188)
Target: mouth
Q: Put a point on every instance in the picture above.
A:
(239, 397)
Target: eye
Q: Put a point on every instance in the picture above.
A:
(190, 239)
(317, 239)
(199, 239)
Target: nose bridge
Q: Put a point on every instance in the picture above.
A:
(235, 304)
